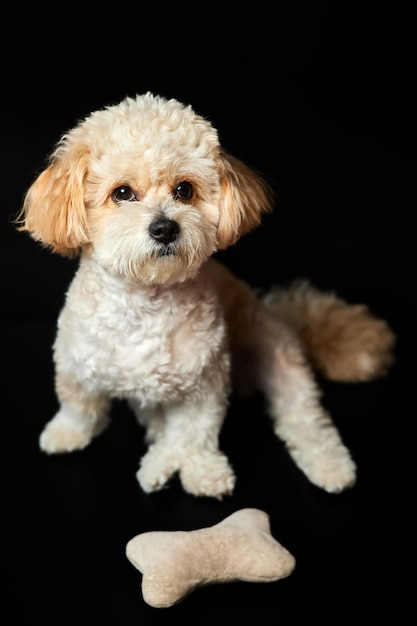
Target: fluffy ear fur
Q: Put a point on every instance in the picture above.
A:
(245, 197)
(53, 211)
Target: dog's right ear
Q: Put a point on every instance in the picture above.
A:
(53, 211)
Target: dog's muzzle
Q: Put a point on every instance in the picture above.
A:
(165, 232)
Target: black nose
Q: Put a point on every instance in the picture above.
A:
(164, 230)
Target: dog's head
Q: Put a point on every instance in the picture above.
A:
(146, 189)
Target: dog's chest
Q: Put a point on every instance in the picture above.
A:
(135, 341)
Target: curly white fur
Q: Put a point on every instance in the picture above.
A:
(144, 194)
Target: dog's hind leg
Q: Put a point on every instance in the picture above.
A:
(268, 354)
(299, 419)
(344, 342)
(81, 417)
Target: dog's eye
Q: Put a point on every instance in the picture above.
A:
(123, 193)
(184, 190)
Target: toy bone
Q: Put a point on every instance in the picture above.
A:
(239, 548)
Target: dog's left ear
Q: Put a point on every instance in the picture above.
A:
(245, 196)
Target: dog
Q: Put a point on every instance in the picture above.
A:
(143, 195)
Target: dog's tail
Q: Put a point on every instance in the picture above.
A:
(343, 342)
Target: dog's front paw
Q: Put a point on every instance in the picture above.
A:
(205, 473)
(156, 468)
(62, 435)
(202, 473)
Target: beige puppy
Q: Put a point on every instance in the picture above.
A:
(144, 194)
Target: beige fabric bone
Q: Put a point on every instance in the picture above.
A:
(239, 548)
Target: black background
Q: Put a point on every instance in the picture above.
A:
(321, 98)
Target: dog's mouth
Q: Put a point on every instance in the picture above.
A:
(165, 250)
